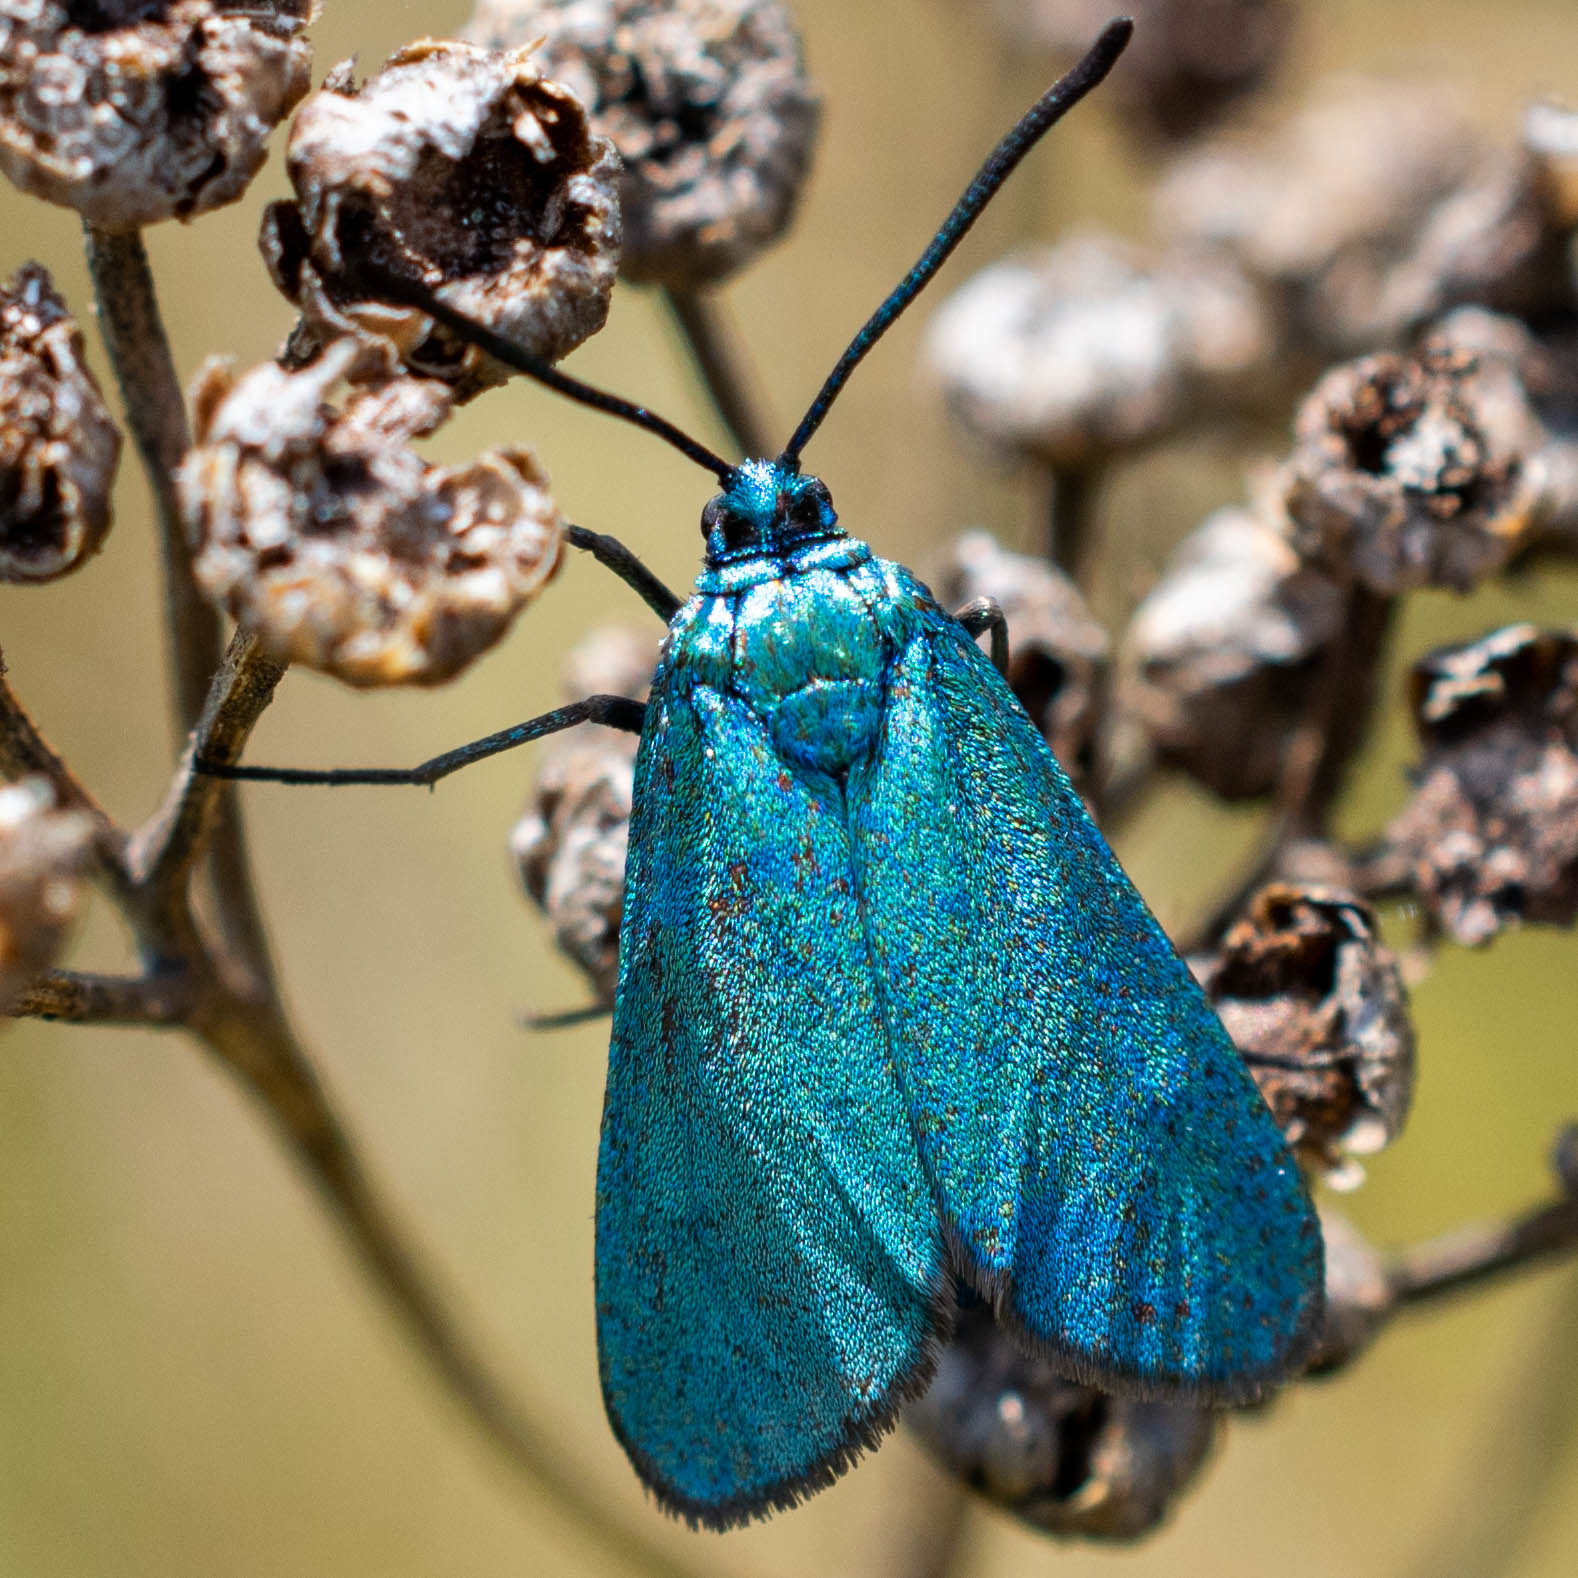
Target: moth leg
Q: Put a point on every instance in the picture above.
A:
(617, 712)
(566, 1018)
(611, 553)
(985, 615)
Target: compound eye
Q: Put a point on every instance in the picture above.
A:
(721, 517)
(813, 506)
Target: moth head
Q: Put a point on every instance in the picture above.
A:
(766, 508)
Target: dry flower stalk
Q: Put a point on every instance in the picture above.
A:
(317, 525)
(133, 111)
(466, 172)
(59, 446)
(709, 105)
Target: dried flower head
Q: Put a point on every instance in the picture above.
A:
(1490, 835)
(1409, 471)
(1360, 1298)
(317, 525)
(58, 444)
(1220, 660)
(42, 855)
(1317, 1007)
(1374, 206)
(1063, 1457)
(1191, 60)
(133, 111)
(571, 840)
(1077, 351)
(709, 105)
(467, 172)
(1057, 653)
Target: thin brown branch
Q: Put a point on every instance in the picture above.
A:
(139, 352)
(154, 1000)
(1068, 509)
(1335, 727)
(165, 849)
(1466, 1258)
(712, 346)
(254, 1041)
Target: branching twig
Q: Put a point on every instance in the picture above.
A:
(151, 1000)
(1474, 1255)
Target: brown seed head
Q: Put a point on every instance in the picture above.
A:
(1372, 208)
(1078, 351)
(462, 170)
(1317, 1007)
(316, 524)
(1219, 661)
(708, 104)
(133, 111)
(1359, 1295)
(43, 852)
(58, 444)
(1062, 1457)
(570, 841)
(1410, 471)
(1058, 654)
(1491, 833)
(1190, 62)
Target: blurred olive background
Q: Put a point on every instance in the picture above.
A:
(195, 1378)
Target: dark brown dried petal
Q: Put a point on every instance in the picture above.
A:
(1057, 652)
(1410, 471)
(1491, 832)
(708, 104)
(58, 444)
(1550, 133)
(133, 111)
(1373, 207)
(465, 171)
(1066, 1458)
(42, 856)
(1317, 1007)
(1190, 62)
(1219, 661)
(570, 842)
(1077, 351)
(317, 525)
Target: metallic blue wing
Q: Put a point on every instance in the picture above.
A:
(769, 1265)
(1107, 1171)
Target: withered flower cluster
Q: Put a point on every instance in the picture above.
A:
(59, 446)
(133, 111)
(708, 104)
(512, 177)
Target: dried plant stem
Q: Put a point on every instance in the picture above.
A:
(713, 348)
(139, 352)
(1334, 730)
(1068, 511)
(938, 1536)
(235, 1011)
(1473, 1255)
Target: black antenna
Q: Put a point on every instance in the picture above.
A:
(391, 286)
(1045, 113)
